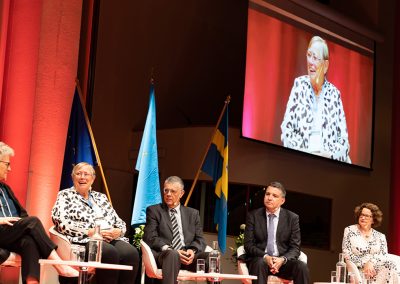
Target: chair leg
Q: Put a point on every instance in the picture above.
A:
(143, 276)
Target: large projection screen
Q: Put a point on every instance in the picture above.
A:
(277, 55)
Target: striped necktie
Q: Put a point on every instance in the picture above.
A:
(176, 239)
(271, 235)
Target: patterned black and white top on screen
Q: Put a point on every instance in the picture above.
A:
(299, 118)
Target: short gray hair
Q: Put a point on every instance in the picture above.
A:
(6, 150)
(279, 186)
(175, 179)
(81, 165)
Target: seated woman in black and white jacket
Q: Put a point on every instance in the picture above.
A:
(74, 215)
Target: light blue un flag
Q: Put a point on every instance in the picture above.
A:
(148, 185)
(216, 166)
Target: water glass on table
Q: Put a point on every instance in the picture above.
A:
(201, 266)
(333, 277)
(77, 253)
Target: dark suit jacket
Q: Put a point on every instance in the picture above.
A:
(158, 229)
(287, 235)
(4, 254)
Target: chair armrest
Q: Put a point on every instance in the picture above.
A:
(149, 261)
(62, 242)
(351, 267)
(303, 257)
(14, 260)
(240, 251)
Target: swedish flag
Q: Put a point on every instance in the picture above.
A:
(216, 166)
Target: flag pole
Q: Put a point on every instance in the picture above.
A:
(96, 152)
(227, 101)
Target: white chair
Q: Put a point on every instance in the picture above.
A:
(243, 270)
(149, 265)
(11, 269)
(63, 250)
(13, 260)
(64, 245)
(351, 267)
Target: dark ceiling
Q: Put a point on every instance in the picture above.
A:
(195, 49)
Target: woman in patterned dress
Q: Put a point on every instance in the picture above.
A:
(74, 215)
(367, 248)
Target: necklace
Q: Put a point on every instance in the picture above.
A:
(365, 234)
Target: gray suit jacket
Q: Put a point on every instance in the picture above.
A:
(158, 229)
(288, 236)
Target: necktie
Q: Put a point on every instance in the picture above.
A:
(271, 234)
(176, 239)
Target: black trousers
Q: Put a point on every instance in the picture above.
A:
(115, 252)
(28, 238)
(295, 270)
(170, 263)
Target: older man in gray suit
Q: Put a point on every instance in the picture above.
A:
(272, 240)
(174, 232)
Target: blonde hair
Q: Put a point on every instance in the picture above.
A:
(325, 50)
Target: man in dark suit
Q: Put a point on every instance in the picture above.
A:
(174, 232)
(272, 240)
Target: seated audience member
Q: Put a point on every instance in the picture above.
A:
(21, 233)
(272, 240)
(74, 215)
(174, 232)
(367, 248)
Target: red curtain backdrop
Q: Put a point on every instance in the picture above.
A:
(39, 55)
(276, 55)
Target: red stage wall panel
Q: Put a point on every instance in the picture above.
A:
(56, 73)
(19, 88)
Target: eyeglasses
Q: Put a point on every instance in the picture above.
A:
(365, 216)
(172, 191)
(82, 174)
(8, 164)
(312, 57)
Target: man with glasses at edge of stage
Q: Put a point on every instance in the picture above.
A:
(21, 233)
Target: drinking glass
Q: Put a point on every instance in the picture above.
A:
(333, 277)
(77, 253)
(212, 264)
(201, 266)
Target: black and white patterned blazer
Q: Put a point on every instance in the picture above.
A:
(73, 216)
(298, 120)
